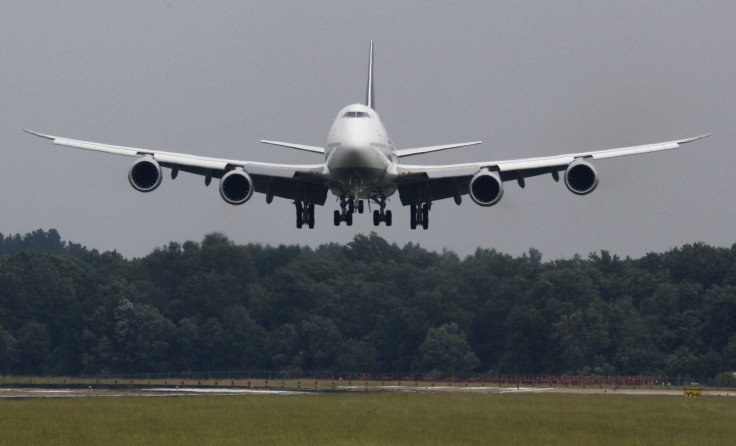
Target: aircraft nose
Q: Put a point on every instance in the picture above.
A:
(349, 162)
(350, 155)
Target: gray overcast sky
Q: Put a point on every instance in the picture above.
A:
(526, 78)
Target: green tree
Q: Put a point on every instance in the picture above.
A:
(8, 351)
(33, 344)
(726, 379)
(446, 351)
(244, 340)
(141, 338)
(526, 341)
(357, 356)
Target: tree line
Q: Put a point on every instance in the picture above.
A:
(365, 306)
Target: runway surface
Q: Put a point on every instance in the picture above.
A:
(144, 391)
(38, 392)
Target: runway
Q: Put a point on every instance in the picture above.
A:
(91, 391)
(523, 389)
(145, 391)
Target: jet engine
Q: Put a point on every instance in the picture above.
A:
(145, 174)
(581, 178)
(486, 188)
(236, 187)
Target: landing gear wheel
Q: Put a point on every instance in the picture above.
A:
(376, 218)
(337, 218)
(388, 218)
(299, 215)
(310, 212)
(349, 219)
(413, 217)
(360, 206)
(425, 216)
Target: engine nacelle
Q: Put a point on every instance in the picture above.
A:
(486, 188)
(145, 174)
(236, 187)
(581, 178)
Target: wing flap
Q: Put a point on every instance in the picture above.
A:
(290, 188)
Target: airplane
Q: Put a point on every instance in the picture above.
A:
(361, 164)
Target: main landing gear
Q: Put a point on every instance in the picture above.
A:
(304, 214)
(420, 215)
(347, 209)
(383, 215)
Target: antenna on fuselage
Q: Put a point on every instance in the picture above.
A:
(369, 98)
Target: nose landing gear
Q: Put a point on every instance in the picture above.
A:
(347, 209)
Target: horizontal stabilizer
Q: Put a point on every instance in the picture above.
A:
(419, 150)
(314, 149)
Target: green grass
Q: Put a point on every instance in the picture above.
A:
(370, 418)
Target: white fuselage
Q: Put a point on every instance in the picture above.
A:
(359, 152)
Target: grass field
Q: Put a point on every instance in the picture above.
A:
(370, 418)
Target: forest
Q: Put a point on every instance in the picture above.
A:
(367, 306)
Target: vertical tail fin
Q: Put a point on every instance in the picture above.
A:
(369, 98)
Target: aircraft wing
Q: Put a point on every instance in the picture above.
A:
(281, 180)
(451, 180)
(548, 163)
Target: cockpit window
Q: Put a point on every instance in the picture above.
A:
(356, 114)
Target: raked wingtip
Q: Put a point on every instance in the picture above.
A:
(39, 134)
(683, 141)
